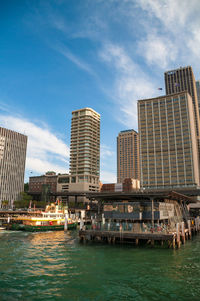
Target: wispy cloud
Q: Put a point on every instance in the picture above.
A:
(175, 26)
(74, 59)
(130, 84)
(44, 150)
(4, 107)
(172, 14)
(106, 151)
(108, 160)
(158, 50)
(41, 166)
(108, 177)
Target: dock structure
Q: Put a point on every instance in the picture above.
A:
(139, 218)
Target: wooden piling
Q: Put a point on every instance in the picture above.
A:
(189, 229)
(178, 235)
(109, 240)
(174, 243)
(183, 232)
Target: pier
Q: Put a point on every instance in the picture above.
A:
(142, 218)
(171, 240)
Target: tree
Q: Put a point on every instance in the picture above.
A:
(26, 187)
(24, 200)
(5, 204)
(39, 204)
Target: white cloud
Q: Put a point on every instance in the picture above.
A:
(194, 41)
(157, 50)
(74, 59)
(108, 177)
(3, 107)
(44, 150)
(131, 83)
(171, 32)
(106, 151)
(43, 166)
(172, 13)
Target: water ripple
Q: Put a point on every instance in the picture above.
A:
(54, 266)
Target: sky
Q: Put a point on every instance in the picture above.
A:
(57, 56)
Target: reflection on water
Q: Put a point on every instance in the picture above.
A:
(54, 266)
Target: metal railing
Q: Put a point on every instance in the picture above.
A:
(161, 228)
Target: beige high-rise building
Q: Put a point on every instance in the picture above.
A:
(85, 150)
(127, 156)
(168, 144)
(183, 79)
(198, 92)
(12, 164)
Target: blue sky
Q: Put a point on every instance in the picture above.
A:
(57, 56)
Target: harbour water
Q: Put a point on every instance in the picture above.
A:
(55, 266)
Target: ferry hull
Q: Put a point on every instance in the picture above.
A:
(29, 228)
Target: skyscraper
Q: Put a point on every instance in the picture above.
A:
(12, 164)
(198, 92)
(85, 147)
(127, 155)
(168, 144)
(183, 79)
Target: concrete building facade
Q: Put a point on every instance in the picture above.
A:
(198, 92)
(66, 182)
(12, 164)
(168, 144)
(182, 79)
(85, 150)
(128, 165)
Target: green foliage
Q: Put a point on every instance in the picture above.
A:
(39, 204)
(26, 187)
(5, 204)
(24, 200)
(78, 205)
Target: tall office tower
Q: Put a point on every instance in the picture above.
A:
(127, 156)
(12, 164)
(85, 148)
(179, 80)
(168, 144)
(198, 92)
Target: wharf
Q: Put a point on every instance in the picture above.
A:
(173, 239)
(110, 235)
(140, 218)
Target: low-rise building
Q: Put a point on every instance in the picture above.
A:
(73, 183)
(128, 184)
(38, 183)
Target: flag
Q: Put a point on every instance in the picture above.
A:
(159, 88)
